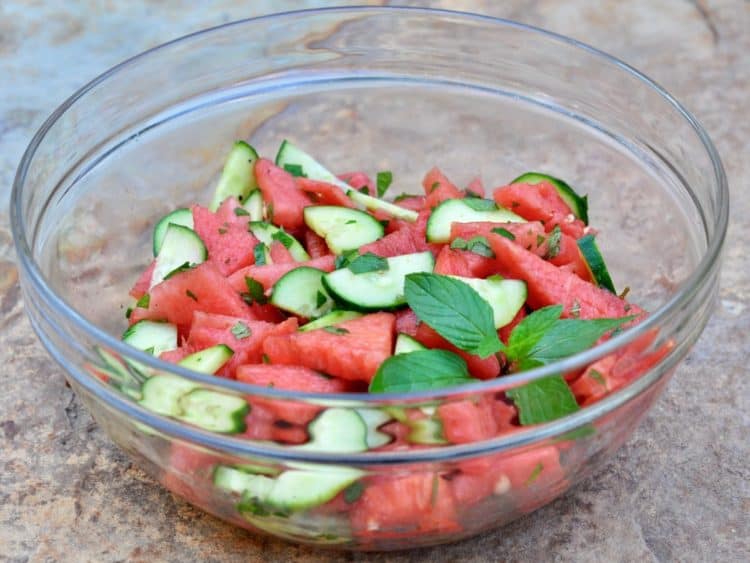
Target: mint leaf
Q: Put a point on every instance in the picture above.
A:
(239, 211)
(553, 242)
(570, 336)
(295, 170)
(241, 330)
(504, 233)
(368, 262)
(455, 311)
(255, 292)
(479, 245)
(283, 238)
(259, 252)
(458, 244)
(419, 371)
(479, 204)
(383, 181)
(543, 400)
(344, 259)
(144, 301)
(530, 330)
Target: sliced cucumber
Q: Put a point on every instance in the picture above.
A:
(301, 292)
(209, 360)
(343, 228)
(506, 297)
(461, 211)
(426, 431)
(180, 246)
(238, 176)
(406, 344)
(579, 205)
(267, 233)
(375, 418)
(161, 394)
(217, 412)
(332, 318)
(180, 216)
(337, 430)
(297, 490)
(235, 480)
(291, 156)
(595, 262)
(381, 289)
(254, 205)
(128, 380)
(151, 336)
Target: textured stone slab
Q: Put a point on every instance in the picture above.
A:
(678, 491)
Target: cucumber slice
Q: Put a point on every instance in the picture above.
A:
(579, 205)
(151, 336)
(234, 480)
(208, 360)
(461, 211)
(297, 490)
(254, 205)
(343, 228)
(291, 156)
(180, 216)
(506, 297)
(213, 411)
(267, 233)
(181, 245)
(381, 289)
(337, 430)
(238, 176)
(426, 431)
(374, 418)
(595, 262)
(161, 394)
(301, 292)
(332, 318)
(128, 380)
(406, 344)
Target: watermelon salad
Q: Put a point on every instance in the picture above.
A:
(298, 279)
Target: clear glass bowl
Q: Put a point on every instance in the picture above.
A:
(373, 89)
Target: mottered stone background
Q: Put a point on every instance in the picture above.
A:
(678, 491)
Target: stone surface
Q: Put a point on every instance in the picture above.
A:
(678, 491)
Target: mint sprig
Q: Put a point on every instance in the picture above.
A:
(419, 371)
(455, 311)
(383, 181)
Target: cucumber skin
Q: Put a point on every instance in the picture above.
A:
(595, 263)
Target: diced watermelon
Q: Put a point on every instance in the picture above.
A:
(323, 193)
(413, 202)
(464, 263)
(209, 330)
(540, 202)
(227, 213)
(535, 476)
(293, 378)
(504, 332)
(262, 424)
(391, 506)
(475, 188)
(469, 489)
(354, 355)
(280, 254)
(188, 473)
(230, 245)
(595, 382)
(505, 414)
(549, 285)
(465, 421)
(315, 245)
(174, 356)
(280, 191)
(408, 239)
(481, 368)
(144, 282)
(202, 288)
(407, 322)
(438, 188)
(359, 180)
(269, 274)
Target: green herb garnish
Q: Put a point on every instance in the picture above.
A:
(419, 371)
(255, 292)
(283, 238)
(353, 492)
(480, 204)
(336, 330)
(553, 242)
(191, 295)
(241, 330)
(543, 400)
(259, 252)
(144, 301)
(239, 211)
(504, 233)
(368, 262)
(383, 181)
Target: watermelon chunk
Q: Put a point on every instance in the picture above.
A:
(438, 188)
(540, 202)
(481, 368)
(269, 274)
(392, 506)
(465, 421)
(353, 355)
(280, 191)
(144, 282)
(323, 193)
(359, 180)
(475, 187)
(409, 238)
(549, 285)
(407, 322)
(209, 330)
(230, 245)
(202, 288)
(464, 263)
(280, 254)
(293, 378)
(262, 424)
(315, 245)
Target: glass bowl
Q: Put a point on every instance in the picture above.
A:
(368, 88)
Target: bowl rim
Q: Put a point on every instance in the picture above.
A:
(682, 296)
